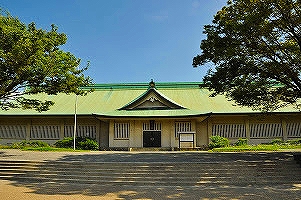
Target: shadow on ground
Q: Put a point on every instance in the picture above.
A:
(191, 191)
(289, 192)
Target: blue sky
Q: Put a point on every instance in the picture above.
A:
(127, 40)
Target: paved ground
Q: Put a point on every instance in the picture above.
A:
(10, 190)
(125, 156)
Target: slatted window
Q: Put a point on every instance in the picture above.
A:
(45, 132)
(293, 129)
(13, 131)
(229, 130)
(270, 130)
(156, 126)
(81, 131)
(121, 130)
(182, 127)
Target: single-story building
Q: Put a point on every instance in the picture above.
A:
(135, 115)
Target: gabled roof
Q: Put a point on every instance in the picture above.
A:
(127, 100)
(152, 99)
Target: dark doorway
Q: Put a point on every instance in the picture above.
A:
(151, 138)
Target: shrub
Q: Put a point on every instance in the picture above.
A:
(86, 143)
(82, 143)
(65, 143)
(277, 141)
(218, 141)
(294, 142)
(25, 143)
(241, 142)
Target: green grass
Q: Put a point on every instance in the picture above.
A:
(260, 147)
(275, 145)
(50, 149)
(84, 144)
(42, 149)
(5, 147)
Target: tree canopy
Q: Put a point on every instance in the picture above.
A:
(255, 46)
(31, 62)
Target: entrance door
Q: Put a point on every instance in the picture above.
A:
(151, 138)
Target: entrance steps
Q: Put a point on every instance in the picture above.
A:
(151, 149)
(166, 149)
(260, 172)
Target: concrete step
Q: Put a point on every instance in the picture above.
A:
(143, 149)
(261, 172)
(135, 170)
(150, 167)
(158, 181)
(76, 164)
(151, 176)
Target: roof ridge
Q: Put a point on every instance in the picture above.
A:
(144, 85)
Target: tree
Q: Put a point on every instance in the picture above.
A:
(255, 46)
(31, 63)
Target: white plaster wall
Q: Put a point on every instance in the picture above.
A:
(136, 138)
(165, 134)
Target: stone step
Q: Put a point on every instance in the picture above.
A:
(153, 175)
(297, 158)
(159, 176)
(129, 172)
(152, 149)
(144, 170)
(153, 167)
(261, 172)
(147, 164)
(151, 172)
(157, 181)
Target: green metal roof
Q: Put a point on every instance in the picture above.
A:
(108, 98)
(126, 86)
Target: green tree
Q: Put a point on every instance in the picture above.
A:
(255, 46)
(31, 63)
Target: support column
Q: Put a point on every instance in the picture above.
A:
(111, 133)
(284, 129)
(132, 135)
(62, 129)
(28, 127)
(247, 124)
(172, 134)
(97, 131)
(194, 129)
(209, 128)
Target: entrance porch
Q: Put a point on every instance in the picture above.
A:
(154, 133)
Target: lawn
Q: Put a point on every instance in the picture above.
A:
(217, 144)
(259, 147)
(41, 149)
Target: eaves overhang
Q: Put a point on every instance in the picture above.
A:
(44, 115)
(150, 113)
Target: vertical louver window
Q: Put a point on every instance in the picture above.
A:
(13, 131)
(81, 131)
(266, 130)
(182, 127)
(121, 130)
(229, 130)
(294, 129)
(45, 132)
(156, 126)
